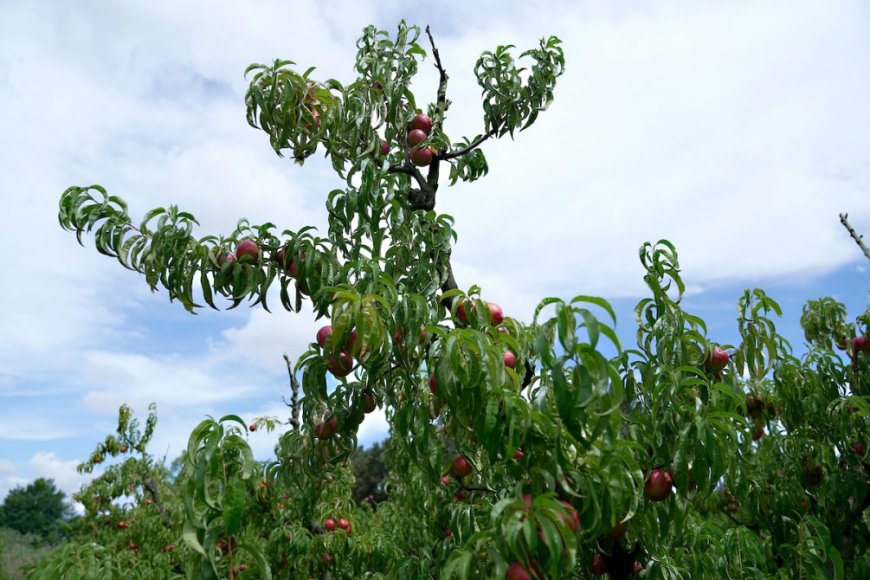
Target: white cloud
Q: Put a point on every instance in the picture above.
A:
(9, 478)
(47, 465)
(14, 426)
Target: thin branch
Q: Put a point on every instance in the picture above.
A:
(859, 239)
(443, 103)
(484, 488)
(449, 283)
(530, 374)
(294, 398)
(474, 145)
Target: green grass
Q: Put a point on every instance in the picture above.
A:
(17, 550)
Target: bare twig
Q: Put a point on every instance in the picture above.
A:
(294, 398)
(859, 239)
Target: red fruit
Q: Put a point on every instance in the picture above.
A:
(227, 258)
(758, 432)
(861, 344)
(351, 340)
(340, 366)
(169, 547)
(572, 520)
(858, 448)
(658, 485)
(813, 473)
(599, 566)
(461, 315)
(527, 498)
(717, 360)
(422, 122)
(323, 335)
(327, 559)
(460, 496)
(421, 156)
(637, 568)
(460, 467)
(318, 431)
(445, 481)
(415, 137)
(503, 330)
(133, 547)
(123, 448)
(330, 426)
(123, 525)
(316, 125)
(496, 316)
(377, 86)
(510, 359)
(247, 251)
(516, 571)
(617, 532)
(243, 567)
(448, 532)
(343, 524)
(432, 383)
(253, 427)
(385, 148)
(754, 405)
(518, 454)
(369, 402)
(329, 525)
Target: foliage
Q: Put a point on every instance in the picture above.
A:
(369, 473)
(18, 551)
(39, 509)
(545, 446)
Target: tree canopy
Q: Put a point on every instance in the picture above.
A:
(38, 508)
(540, 448)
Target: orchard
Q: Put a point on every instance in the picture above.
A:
(518, 449)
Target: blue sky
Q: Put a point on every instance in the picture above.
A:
(738, 130)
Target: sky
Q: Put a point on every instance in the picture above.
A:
(739, 130)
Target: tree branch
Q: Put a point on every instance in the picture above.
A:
(443, 103)
(474, 145)
(294, 398)
(449, 283)
(855, 236)
(155, 495)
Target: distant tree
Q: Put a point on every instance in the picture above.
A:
(36, 509)
(370, 473)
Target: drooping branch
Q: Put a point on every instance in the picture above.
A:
(294, 397)
(859, 239)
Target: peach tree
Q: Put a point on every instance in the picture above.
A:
(521, 449)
